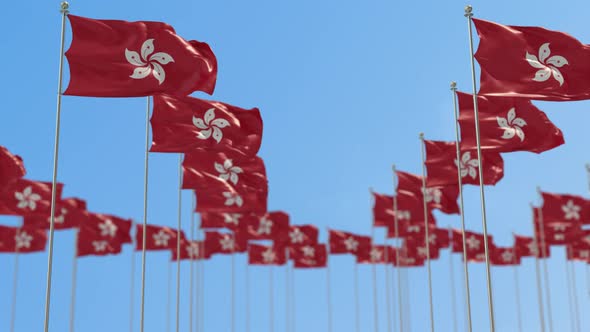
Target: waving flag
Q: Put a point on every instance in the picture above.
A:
(347, 243)
(270, 226)
(578, 254)
(557, 233)
(309, 256)
(377, 254)
(22, 239)
(443, 198)
(441, 165)
(191, 250)
(474, 243)
(229, 200)
(531, 62)
(111, 58)
(183, 124)
(11, 166)
(564, 208)
(527, 247)
(69, 213)
(266, 255)
(23, 197)
(302, 235)
(506, 125)
(504, 256)
(93, 243)
(225, 243)
(410, 209)
(231, 221)
(109, 227)
(157, 238)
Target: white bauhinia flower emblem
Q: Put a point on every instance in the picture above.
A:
(507, 256)
(472, 242)
(23, 240)
(296, 235)
(308, 251)
(27, 199)
(511, 125)
(376, 255)
(432, 195)
(585, 254)
(265, 226)
(432, 238)
(232, 218)
(227, 243)
(210, 126)
(232, 199)
(413, 229)
(403, 215)
(547, 65)
(559, 227)
(571, 210)
(148, 62)
(559, 237)
(100, 246)
(108, 228)
(193, 250)
(480, 257)
(161, 238)
(422, 251)
(228, 171)
(351, 244)
(467, 165)
(59, 219)
(269, 256)
(533, 249)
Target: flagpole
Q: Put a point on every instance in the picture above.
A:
(247, 296)
(461, 207)
(575, 293)
(169, 296)
(387, 285)
(178, 242)
(517, 295)
(538, 273)
(329, 294)
(356, 298)
(408, 301)
(427, 238)
(202, 290)
(14, 288)
(192, 268)
(132, 279)
(545, 270)
(452, 278)
(287, 291)
(569, 294)
(375, 302)
(233, 283)
(74, 281)
(145, 206)
(293, 302)
(271, 299)
(469, 14)
(398, 267)
(64, 12)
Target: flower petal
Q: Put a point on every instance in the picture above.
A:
(221, 123)
(227, 194)
(229, 201)
(508, 133)
(519, 122)
(519, 133)
(198, 122)
(466, 157)
(22, 204)
(159, 72)
(32, 205)
(544, 52)
(239, 201)
(161, 57)
(204, 134)
(557, 75)
(133, 58)
(217, 134)
(209, 115)
(141, 72)
(227, 164)
(19, 196)
(219, 168)
(511, 115)
(233, 178)
(473, 163)
(542, 75)
(224, 176)
(557, 61)
(502, 122)
(28, 190)
(533, 61)
(236, 169)
(472, 172)
(35, 197)
(147, 48)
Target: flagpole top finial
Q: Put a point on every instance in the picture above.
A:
(64, 7)
(421, 135)
(453, 85)
(393, 167)
(588, 167)
(468, 11)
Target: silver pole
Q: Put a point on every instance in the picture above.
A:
(247, 296)
(192, 268)
(14, 288)
(145, 206)
(587, 279)
(387, 285)
(287, 291)
(74, 281)
(398, 268)
(233, 284)
(517, 294)
(168, 297)
(545, 270)
(64, 12)
(375, 300)
(462, 211)
(569, 295)
(178, 248)
(469, 14)
(356, 298)
(426, 238)
(271, 299)
(538, 274)
(329, 294)
(132, 279)
(452, 280)
(294, 302)
(408, 301)
(575, 293)
(202, 291)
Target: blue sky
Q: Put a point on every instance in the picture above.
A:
(344, 88)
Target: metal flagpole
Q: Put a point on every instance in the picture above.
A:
(538, 273)
(145, 205)
(469, 14)
(517, 294)
(14, 288)
(387, 285)
(575, 293)
(545, 270)
(408, 302)
(356, 298)
(569, 294)
(427, 237)
(293, 302)
(329, 294)
(287, 291)
(74, 280)
(192, 268)
(64, 12)
(271, 299)
(461, 210)
(398, 267)
(233, 283)
(247, 296)
(452, 278)
(132, 279)
(374, 269)
(178, 242)
(169, 296)
(202, 290)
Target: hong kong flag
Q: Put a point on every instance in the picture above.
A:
(474, 243)
(441, 165)
(22, 240)
(564, 208)
(309, 256)
(527, 247)
(157, 237)
(69, 213)
(410, 209)
(302, 235)
(408, 261)
(531, 62)
(377, 254)
(270, 226)
(584, 240)
(111, 58)
(266, 255)
(109, 227)
(506, 125)
(231, 221)
(183, 124)
(225, 243)
(93, 243)
(443, 198)
(23, 197)
(230, 200)
(417, 248)
(203, 170)
(557, 233)
(11, 166)
(191, 250)
(347, 243)
(504, 256)
(578, 254)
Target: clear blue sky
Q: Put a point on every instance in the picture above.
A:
(344, 88)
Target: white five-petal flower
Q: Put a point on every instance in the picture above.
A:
(296, 235)
(571, 210)
(351, 244)
(59, 219)
(265, 226)
(308, 251)
(161, 238)
(376, 255)
(547, 65)
(511, 125)
(100, 246)
(27, 199)
(228, 171)
(507, 256)
(585, 254)
(403, 215)
(193, 250)
(269, 256)
(472, 242)
(467, 165)
(148, 63)
(432, 195)
(227, 243)
(232, 199)
(232, 218)
(108, 228)
(22, 240)
(210, 126)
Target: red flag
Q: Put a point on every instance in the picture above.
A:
(303, 235)
(270, 226)
(157, 238)
(474, 243)
(69, 213)
(183, 124)
(407, 261)
(91, 242)
(111, 58)
(559, 233)
(11, 166)
(23, 197)
(578, 254)
(441, 165)
(110, 228)
(506, 125)
(232, 221)
(410, 209)
(417, 249)
(564, 208)
(225, 243)
(442, 198)
(265, 255)
(191, 250)
(531, 62)
(204, 170)
(22, 240)
(347, 243)
(229, 200)
(377, 254)
(526, 247)
(309, 256)
(504, 256)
